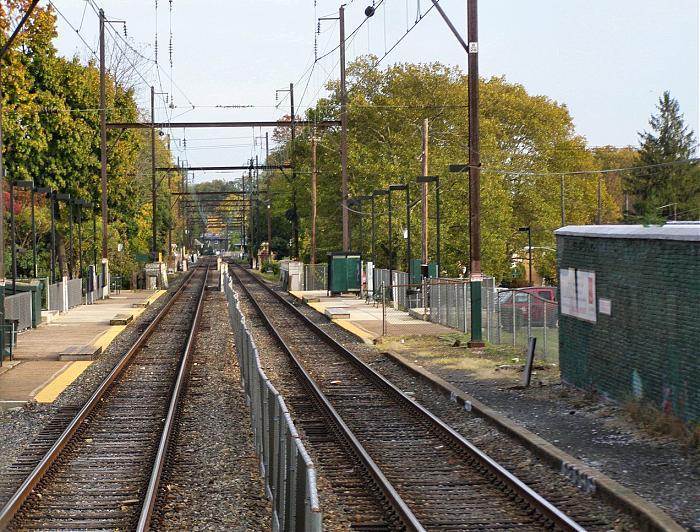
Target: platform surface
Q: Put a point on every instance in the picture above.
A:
(365, 319)
(37, 365)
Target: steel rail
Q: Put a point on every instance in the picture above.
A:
(22, 493)
(403, 512)
(151, 495)
(542, 505)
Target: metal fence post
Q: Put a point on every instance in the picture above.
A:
(545, 325)
(513, 324)
(465, 306)
(383, 310)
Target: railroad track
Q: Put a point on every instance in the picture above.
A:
(103, 471)
(429, 475)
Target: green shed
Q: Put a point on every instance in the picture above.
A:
(344, 272)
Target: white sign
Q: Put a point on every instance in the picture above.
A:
(577, 289)
(473, 47)
(605, 306)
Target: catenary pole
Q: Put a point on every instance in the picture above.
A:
(313, 199)
(424, 196)
(344, 136)
(474, 175)
(154, 252)
(103, 154)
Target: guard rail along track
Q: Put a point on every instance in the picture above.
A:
(103, 470)
(432, 476)
(288, 472)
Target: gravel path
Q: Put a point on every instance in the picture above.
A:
(214, 481)
(640, 464)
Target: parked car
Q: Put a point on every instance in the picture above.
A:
(537, 303)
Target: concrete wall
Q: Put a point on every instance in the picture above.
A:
(648, 346)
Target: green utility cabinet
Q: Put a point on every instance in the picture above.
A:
(344, 272)
(416, 277)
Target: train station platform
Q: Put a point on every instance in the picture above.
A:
(42, 366)
(367, 321)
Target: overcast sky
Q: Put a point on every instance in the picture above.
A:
(607, 60)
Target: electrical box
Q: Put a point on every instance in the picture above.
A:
(344, 272)
(416, 269)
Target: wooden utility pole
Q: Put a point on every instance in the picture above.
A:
(154, 228)
(344, 136)
(269, 207)
(561, 200)
(295, 222)
(313, 200)
(424, 196)
(599, 216)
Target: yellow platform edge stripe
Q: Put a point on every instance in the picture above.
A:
(53, 389)
(354, 329)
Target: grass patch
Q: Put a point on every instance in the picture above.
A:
(653, 420)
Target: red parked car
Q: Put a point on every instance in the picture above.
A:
(537, 303)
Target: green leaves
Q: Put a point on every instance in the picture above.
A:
(521, 135)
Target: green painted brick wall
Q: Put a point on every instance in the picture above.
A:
(649, 346)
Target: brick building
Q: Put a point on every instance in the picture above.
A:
(630, 313)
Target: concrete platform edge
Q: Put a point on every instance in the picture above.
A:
(650, 516)
(341, 322)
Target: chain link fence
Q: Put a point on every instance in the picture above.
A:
(315, 277)
(508, 317)
(288, 472)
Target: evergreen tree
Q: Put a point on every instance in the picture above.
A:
(669, 141)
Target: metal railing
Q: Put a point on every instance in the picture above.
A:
(18, 308)
(288, 472)
(75, 292)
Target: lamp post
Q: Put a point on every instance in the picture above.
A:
(29, 185)
(46, 191)
(391, 239)
(434, 179)
(529, 251)
(80, 203)
(69, 203)
(53, 236)
(359, 200)
(94, 235)
(375, 193)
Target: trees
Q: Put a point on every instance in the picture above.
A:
(524, 138)
(51, 134)
(667, 179)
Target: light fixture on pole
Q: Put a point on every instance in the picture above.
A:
(391, 188)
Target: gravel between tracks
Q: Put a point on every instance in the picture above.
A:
(214, 482)
(19, 426)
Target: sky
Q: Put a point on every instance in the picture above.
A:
(608, 60)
